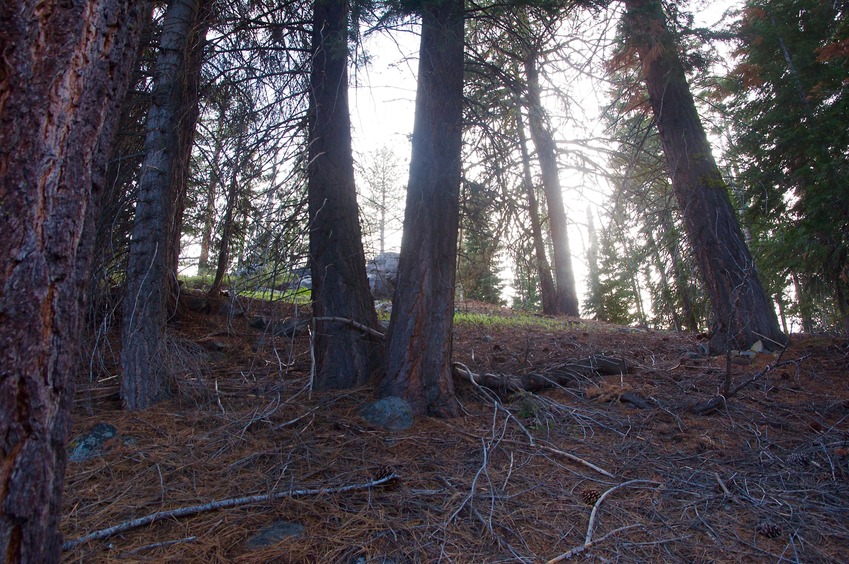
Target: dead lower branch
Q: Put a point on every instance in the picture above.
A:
(355, 324)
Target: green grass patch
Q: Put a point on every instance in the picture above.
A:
(300, 296)
(197, 282)
(516, 320)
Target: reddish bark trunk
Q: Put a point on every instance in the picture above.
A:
(742, 313)
(345, 356)
(64, 69)
(419, 359)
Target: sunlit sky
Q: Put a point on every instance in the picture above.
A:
(382, 99)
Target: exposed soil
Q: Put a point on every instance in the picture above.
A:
(762, 478)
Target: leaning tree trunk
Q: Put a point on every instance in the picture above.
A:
(151, 270)
(742, 312)
(419, 356)
(228, 227)
(567, 294)
(548, 292)
(345, 356)
(64, 69)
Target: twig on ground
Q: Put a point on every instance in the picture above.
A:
(221, 504)
(161, 544)
(706, 407)
(588, 539)
(494, 399)
(577, 459)
(473, 488)
(725, 489)
(598, 503)
(579, 549)
(553, 450)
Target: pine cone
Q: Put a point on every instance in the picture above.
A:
(384, 472)
(590, 496)
(768, 529)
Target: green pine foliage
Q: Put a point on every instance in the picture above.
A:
(477, 269)
(790, 105)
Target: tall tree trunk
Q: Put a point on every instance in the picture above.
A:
(419, 356)
(186, 126)
(567, 295)
(345, 356)
(804, 301)
(64, 70)
(548, 293)
(742, 312)
(151, 270)
(211, 192)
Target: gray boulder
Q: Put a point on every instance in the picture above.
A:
(392, 413)
(382, 273)
(91, 444)
(274, 533)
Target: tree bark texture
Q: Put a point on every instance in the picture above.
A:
(564, 276)
(741, 311)
(548, 292)
(345, 356)
(419, 354)
(63, 71)
(151, 270)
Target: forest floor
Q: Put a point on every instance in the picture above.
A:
(520, 477)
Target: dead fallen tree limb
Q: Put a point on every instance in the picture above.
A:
(562, 374)
(220, 504)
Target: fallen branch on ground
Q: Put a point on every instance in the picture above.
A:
(221, 504)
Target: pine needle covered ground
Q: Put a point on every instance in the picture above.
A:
(575, 472)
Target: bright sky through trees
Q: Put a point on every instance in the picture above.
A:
(382, 98)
